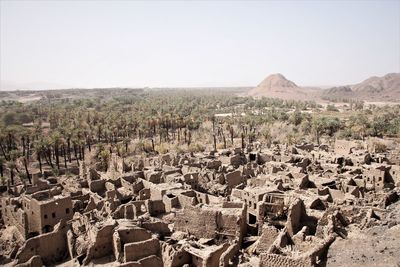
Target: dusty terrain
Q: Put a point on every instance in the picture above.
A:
(375, 245)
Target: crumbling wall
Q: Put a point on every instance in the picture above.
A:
(35, 261)
(319, 249)
(202, 198)
(132, 184)
(97, 186)
(126, 211)
(187, 201)
(267, 238)
(155, 207)
(263, 158)
(140, 207)
(13, 216)
(131, 264)
(174, 257)
(228, 224)
(152, 176)
(197, 221)
(232, 225)
(234, 178)
(157, 227)
(296, 214)
(136, 234)
(170, 201)
(274, 260)
(151, 261)
(226, 258)
(101, 242)
(237, 160)
(213, 258)
(138, 250)
(238, 193)
(144, 194)
(51, 247)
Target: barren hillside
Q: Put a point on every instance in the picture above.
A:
(277, 86)
(379, 88)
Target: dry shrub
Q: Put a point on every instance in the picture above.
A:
(196, 147)
(379, 147)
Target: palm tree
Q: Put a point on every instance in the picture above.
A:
(56, 141)
(27, 171)
(3, 144)
(318, 125)
(11, 166)
(104, 156)
(231, 132)
(47, 151)
(40, 149)
(126, 142)
(2, 161)
(68, 132)
(14, 155)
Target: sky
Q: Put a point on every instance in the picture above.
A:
(86, 44)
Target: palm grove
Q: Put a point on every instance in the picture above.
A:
(59, 130)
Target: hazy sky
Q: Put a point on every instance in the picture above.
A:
(196, 43)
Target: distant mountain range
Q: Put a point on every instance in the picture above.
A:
(386, 88)
(373, 89)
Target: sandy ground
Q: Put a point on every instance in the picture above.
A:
(377, 246)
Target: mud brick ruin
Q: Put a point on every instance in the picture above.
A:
(258, 206)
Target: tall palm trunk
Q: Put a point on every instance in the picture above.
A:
(69, 149)
(57, 154)
(88, 144)
(28, 144)
(23, 145)
(80, 152)
(48, 159)
(9, 143)
(27, 171)
(215, 142)
(40, 162)
(83, 152)
(12, 176)
(185, 135)
(4, 152)
(76, 154)
(65, 156)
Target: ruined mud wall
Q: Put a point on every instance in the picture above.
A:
(17, 218)
(51, 247)
(133, 235)
(273, 260)
(138, 250)
(197, 222)
(173, 257)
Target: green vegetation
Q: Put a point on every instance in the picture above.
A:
(59, 129)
